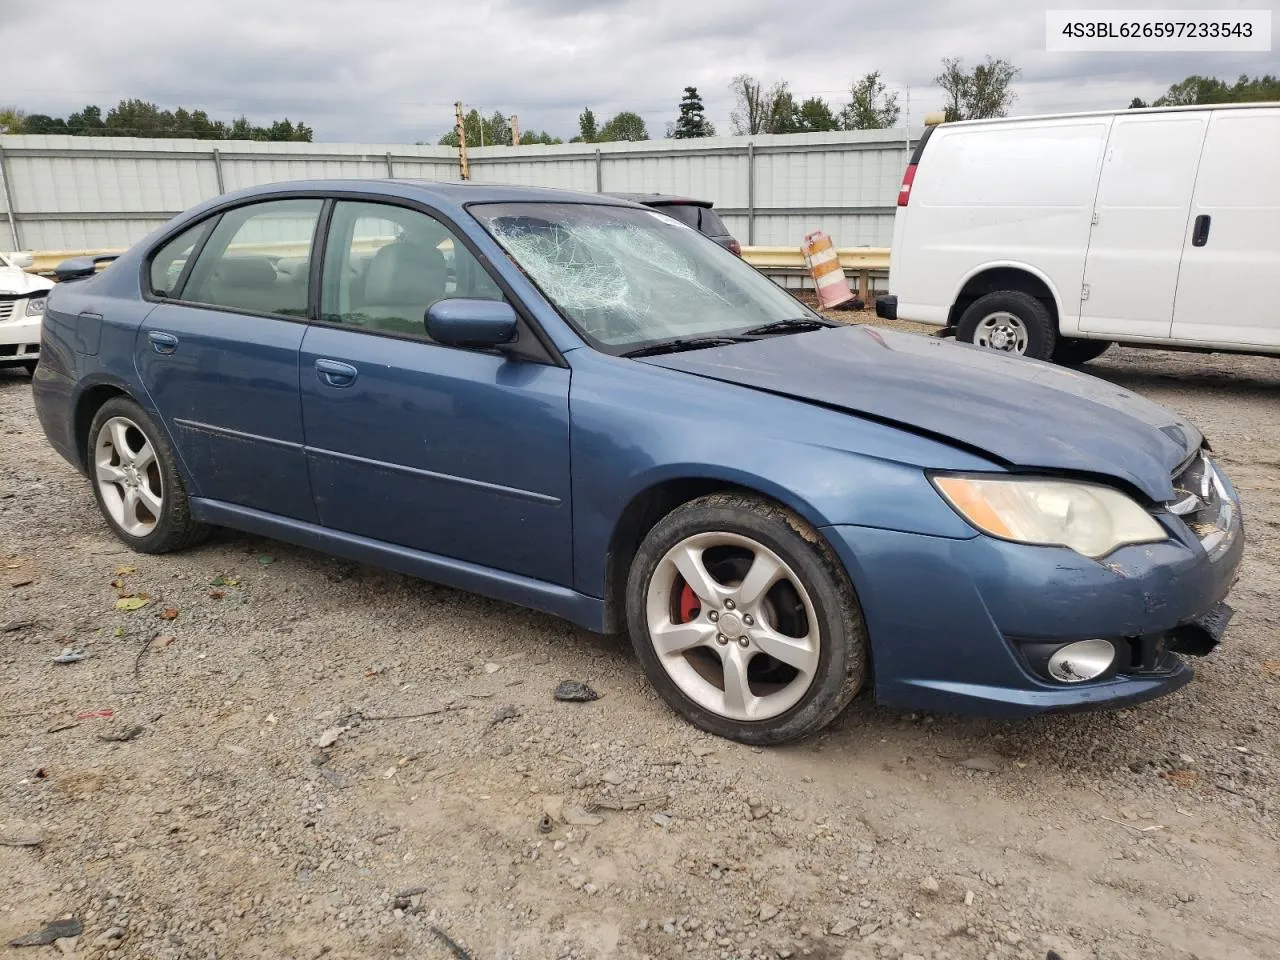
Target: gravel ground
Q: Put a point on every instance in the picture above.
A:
(306, 757)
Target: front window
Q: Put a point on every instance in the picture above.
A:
(626, 277)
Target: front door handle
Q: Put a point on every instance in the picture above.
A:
(335, 373)
(163, 342)
(1200, 233)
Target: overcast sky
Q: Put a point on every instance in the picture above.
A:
(390, 70)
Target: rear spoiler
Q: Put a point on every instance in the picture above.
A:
(77, 268)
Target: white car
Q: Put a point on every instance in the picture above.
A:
(1055, 236)
(22, 298)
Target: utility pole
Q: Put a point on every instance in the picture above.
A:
(515, 130)
(464, 169)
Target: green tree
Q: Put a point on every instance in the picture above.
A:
(492, 131)
(540, 137)
(870, 106)
(87, 123)
(978, 94)
(815, 116)
(624, 126)
(12, 120)
(137, 118)
(1137, 103)
(1196, 90)
(43, 123)
(692, 121)
(588, 132)
(285, 130)
(784, 114)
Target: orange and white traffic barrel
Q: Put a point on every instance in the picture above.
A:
(824, 267)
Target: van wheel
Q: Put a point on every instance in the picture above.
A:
(1072, 352)
(1012, 322)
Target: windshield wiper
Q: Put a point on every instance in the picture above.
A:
(790, 325)
(683, 343)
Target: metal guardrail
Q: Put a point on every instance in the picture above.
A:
(862, 262)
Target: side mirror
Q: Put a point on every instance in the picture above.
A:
(23, 261)
(471, 323)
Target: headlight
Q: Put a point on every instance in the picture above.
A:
(35, 306)
(1088, 518)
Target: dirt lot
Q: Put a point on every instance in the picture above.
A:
(224, 829)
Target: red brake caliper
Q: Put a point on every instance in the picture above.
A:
(689, 603)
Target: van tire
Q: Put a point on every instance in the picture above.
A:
(1072, 352)
(1041, 328)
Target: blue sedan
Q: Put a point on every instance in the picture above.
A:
(573, 403)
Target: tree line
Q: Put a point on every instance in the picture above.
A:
(980, 92)
(138, 118)
(1203, 91)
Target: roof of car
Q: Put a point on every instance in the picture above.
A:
(457, 192)
(660, 200)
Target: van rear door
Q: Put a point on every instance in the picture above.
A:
(1227, 284)
(1140, 224)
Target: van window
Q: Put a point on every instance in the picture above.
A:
(1232, 170)
(1014, 165)
(1151, 162)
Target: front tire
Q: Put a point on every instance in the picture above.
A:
(744, 621)
(31, 367)
(1072, 352)
(136, 481)
(1010, 321)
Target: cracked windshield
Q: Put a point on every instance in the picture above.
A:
(629, 277)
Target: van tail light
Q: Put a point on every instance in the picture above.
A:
(735, 247)
(908, 178)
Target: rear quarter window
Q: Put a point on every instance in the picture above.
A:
(169, 263)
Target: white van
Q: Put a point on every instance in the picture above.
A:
(1055, 236)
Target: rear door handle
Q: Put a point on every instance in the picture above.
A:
(1200, 234)
(335, 373)
(163, 342)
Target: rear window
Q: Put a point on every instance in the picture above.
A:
(712, 225)
(686, 214)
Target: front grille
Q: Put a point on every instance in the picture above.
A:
(1203, 502)
(6, 309)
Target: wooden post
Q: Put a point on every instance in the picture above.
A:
(464, 169)
(515, 130)
(864, 286)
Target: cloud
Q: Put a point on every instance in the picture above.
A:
(390, 70)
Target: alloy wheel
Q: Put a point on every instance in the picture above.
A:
(733, 626)
(129, 476)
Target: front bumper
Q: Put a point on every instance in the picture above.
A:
(955, 624)
(19, 338)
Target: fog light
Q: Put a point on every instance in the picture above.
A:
(1082, 660)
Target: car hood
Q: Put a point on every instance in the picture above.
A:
(1024, 413)
(14, 281)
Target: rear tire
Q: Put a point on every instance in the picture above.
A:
(1072, 352)
(136, 482)
(1010, 321)
(763, 642)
